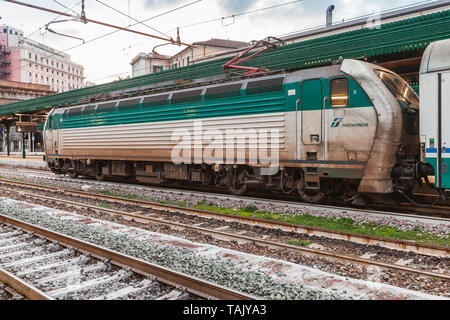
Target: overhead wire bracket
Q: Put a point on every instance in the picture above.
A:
(62, 34)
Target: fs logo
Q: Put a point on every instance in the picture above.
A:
(336, 122)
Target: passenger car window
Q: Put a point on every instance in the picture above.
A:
(339, 93)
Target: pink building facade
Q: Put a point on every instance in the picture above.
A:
(25, 60)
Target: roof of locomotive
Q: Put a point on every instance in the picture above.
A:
(294, 76)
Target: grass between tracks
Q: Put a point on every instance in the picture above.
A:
(337, 224)
(340, 224)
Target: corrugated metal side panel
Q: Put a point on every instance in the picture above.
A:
(158, 135)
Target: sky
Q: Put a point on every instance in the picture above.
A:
(109, 58)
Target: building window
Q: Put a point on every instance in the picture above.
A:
(5, 30)
(57, 64)
(35, 57)
(339, 92)
(29, 55)
(188, 60)
(53, 63)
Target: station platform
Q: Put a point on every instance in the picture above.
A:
(32, 162)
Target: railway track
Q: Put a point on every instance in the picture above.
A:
(441, 210)
(223, 233)
(44, 265)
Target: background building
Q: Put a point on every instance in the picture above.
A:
(13, 91)
(29, 61)
(153, 62)
(29, 69)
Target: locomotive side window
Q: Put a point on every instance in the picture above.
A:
(129, 104)
(339, 93)
(89, 110)
(75, 112)
(223, 92)
(51, 123)
(155, 101)
(106, 107)
(265, 86)
(187, 96)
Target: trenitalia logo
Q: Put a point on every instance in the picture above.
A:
(336, 122)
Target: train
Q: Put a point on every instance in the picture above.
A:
(346, 131)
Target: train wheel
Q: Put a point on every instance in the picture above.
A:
(312, 196)
(100, 177)
(236, 185)
(73, 174)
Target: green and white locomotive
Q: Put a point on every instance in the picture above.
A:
(345, 130)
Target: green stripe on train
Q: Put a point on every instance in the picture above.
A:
(445, 176)
(227, 107)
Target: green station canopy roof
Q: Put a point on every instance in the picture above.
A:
(395, 37)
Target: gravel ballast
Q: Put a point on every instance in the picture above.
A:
(226, 267)
(222, 201)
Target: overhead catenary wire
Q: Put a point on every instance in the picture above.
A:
(238, 14)
(222, 18)
(85, 20)
(306, 29)
(64, 6)
(128, 16)
(115, 31)
(28, 36)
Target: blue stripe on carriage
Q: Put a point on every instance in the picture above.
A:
(434, 150)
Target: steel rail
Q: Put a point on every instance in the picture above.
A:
(420, 213)
(194, 285)
(241, 238)
(22, 287)
(427, 249)
(402, 245)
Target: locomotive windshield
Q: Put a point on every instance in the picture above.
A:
(398, 87)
